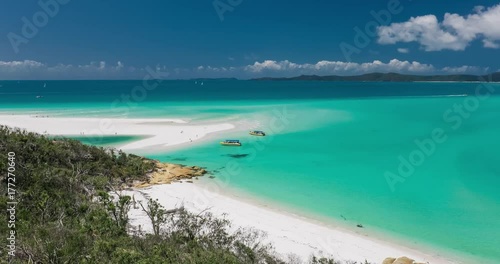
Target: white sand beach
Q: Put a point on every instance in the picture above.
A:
(162, 133)
(288, 233)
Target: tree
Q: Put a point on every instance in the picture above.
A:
(156, 213)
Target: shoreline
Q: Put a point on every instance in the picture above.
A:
(161, 133)
(287, 231)
(376, 234)
(344, 239)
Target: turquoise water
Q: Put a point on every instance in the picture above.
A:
(337, 169)
(330, 147)
(106, 141)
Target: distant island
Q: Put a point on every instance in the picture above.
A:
(390, 77)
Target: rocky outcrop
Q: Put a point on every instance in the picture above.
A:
(165, 173)
(401, 260)
(389, 261)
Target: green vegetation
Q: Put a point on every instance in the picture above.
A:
(66, 212)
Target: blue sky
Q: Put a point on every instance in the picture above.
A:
(111, 39)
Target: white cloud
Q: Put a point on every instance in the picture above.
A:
(465, 69)
(29, 69)
(271, 65)
(17, 66)
(490, 44)
(287, 68)
(212, 72)
(338, 67)
(403, 50)
(455, 32)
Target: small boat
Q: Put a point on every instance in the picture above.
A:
(230, 142)
(257, 133)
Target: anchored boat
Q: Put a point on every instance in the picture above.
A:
(257, 133)
(230, 142)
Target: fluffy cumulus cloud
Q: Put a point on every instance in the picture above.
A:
(17, 66)
(212, 72)
(29, 69)
(454, 32)
(288, 68)
(339, 67)
(274, 66)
